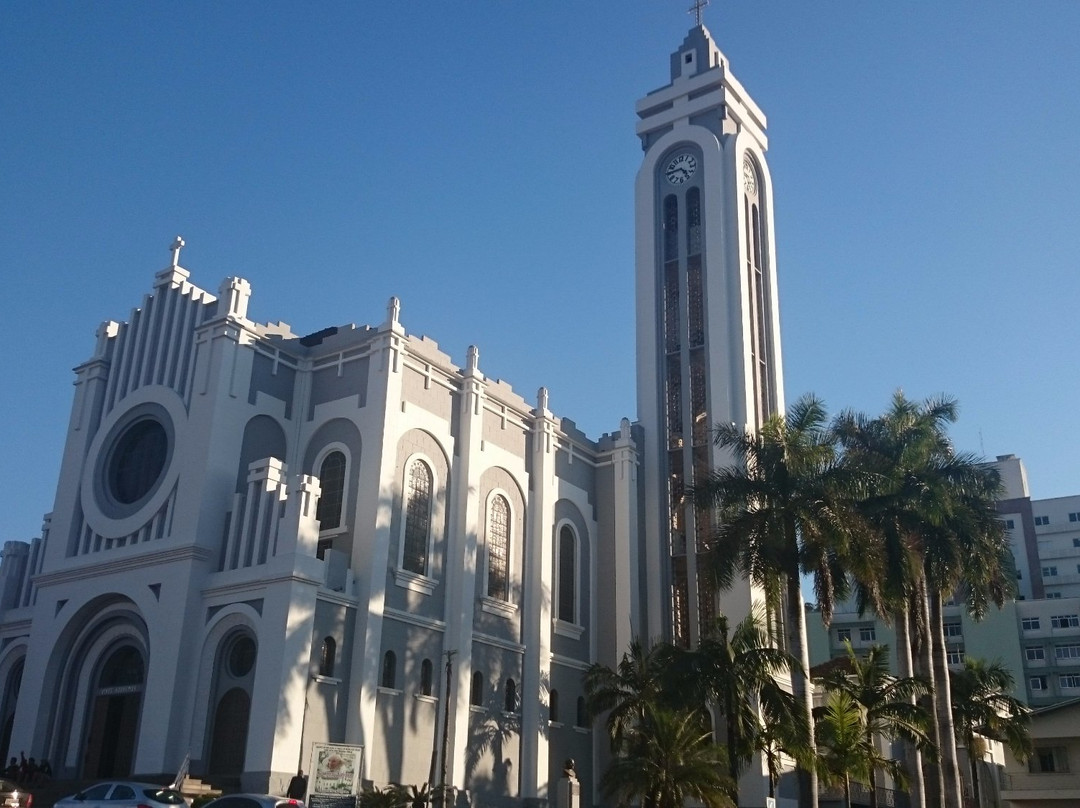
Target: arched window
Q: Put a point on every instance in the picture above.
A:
(582, 715)
(425, 677)
(476, 692)
(327, 656)
(498, 548)
(417, 518)
(553, 706)
(567, 581)
(511, 699)
(332, 486)
(389, 670)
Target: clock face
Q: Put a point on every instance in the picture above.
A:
(681, 168)
(749, 176)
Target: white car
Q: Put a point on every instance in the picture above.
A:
(123, 794)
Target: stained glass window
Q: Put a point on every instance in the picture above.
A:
(498, 549)
(417, 518)
(332, 485)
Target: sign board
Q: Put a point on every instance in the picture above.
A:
(335, 769)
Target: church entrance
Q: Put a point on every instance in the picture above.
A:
(230, 733)
(115, 707)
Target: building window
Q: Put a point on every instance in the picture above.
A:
(1037, 683)
(389, 670)
(553, 706)
(867, 634)
(1076, 542)
(1042, 520)
(331, 491)
(510, 698)
(425, 677)
(1049, 760)
(843, 635)
(567, 581)
(582, 717)
(1049, 572)
(326, 657)
(476, 692)
(953, 630)
(1035, 653)
(1009, 524)
(1053, 595)
(1065, 621)
(1030, 624)
(1067, 652)
(1069, 681)
(417, 518)
(498, 549)
(955, 656)
(1074, 517)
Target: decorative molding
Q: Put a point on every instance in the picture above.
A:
(414, 581)
(502, 608)
(498, 642)
(565, 629)
(414, 619)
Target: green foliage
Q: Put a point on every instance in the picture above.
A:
(668, 759)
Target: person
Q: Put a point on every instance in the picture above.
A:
(12, 770)
(297, 786)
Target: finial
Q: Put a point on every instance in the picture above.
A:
(697, 7)
(393, 311)
(472, 359)
(542, 399)
(176, 245)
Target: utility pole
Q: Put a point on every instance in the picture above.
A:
(445, 725)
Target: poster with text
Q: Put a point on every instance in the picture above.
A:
(335, 769)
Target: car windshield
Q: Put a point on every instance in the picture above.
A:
(165, 795)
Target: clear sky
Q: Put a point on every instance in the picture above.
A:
(477, 159)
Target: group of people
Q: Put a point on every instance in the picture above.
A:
(27, 771)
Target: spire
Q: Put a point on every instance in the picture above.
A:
(176, 245)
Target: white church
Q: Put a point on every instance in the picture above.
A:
(262, 541)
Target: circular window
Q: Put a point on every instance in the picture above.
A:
(241, 657)
(137, 461)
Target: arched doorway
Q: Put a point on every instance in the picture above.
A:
(7, 707)
(230, 732)
(113, 723)
(234, 680)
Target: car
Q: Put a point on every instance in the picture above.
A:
(254, 801)
(14, 795)
(123, 794)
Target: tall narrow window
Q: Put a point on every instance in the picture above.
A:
(510, 700)
(553, 706)
(498, 548)
(671, 228)
(389, 670)
(476, 692)
(425, 677)
(332, 485)
(326, 657)
(582, 718)
(567, 575)
(417, 518)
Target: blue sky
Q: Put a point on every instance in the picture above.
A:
(477, 159)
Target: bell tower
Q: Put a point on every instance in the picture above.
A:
(708, 331)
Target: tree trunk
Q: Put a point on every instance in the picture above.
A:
(974, 760)
(912, 755)
(847, 792)
(950, 771)
(800, 686)
(922, 659)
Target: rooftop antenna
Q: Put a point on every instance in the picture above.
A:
(697, 8)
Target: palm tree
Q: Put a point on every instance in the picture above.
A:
(784, 508)
(738, 674)
(627, 693)
(843, 749)
(669, 758)
(984, 708)
(934, 515)
(887, 702)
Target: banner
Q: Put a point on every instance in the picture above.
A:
(335, 769)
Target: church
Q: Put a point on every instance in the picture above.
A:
(262, 541)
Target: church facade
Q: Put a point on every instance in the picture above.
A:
(261, 541)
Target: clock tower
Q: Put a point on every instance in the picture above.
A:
(708, 331)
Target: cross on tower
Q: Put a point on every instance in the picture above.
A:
(697, 7)
(176, 245)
